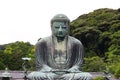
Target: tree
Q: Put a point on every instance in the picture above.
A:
(98, 31)
(14, 53)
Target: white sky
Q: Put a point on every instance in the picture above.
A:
(29, 20)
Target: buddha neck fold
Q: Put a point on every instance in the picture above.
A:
(54, 41)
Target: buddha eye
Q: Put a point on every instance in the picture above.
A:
(57, 27)
(64, 27)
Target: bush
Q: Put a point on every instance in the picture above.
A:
(2, 66)
(93, 64)
(99, 78)
(117, 72)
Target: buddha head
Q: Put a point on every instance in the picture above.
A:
(60, 25)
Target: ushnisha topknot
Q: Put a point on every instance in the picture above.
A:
(60, 17)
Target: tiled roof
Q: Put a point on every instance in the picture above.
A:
(18, 75)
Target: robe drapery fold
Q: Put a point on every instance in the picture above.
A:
(45, 52)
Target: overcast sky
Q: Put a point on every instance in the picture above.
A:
(29, 20)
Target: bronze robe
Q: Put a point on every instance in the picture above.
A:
(45, 51)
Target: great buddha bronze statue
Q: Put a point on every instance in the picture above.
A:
(59, 56)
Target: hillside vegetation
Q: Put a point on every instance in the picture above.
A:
(99, 31)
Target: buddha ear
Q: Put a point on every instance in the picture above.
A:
(51, 26)
(52, 29)
(68, 25)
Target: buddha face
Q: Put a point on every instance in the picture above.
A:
(60, 29)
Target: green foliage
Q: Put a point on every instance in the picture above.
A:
(93, 64)
(117, 72)
(12, 55)
(115, 26)
(2, 66)
(98, 31)
(114, 49)
(113, 62)
(99, 78)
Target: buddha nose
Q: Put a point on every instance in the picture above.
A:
(60, 30)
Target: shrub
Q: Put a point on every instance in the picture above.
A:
(117, 72)
(99, 78)
(2, 66)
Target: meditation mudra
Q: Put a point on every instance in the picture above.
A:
(59, 56)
